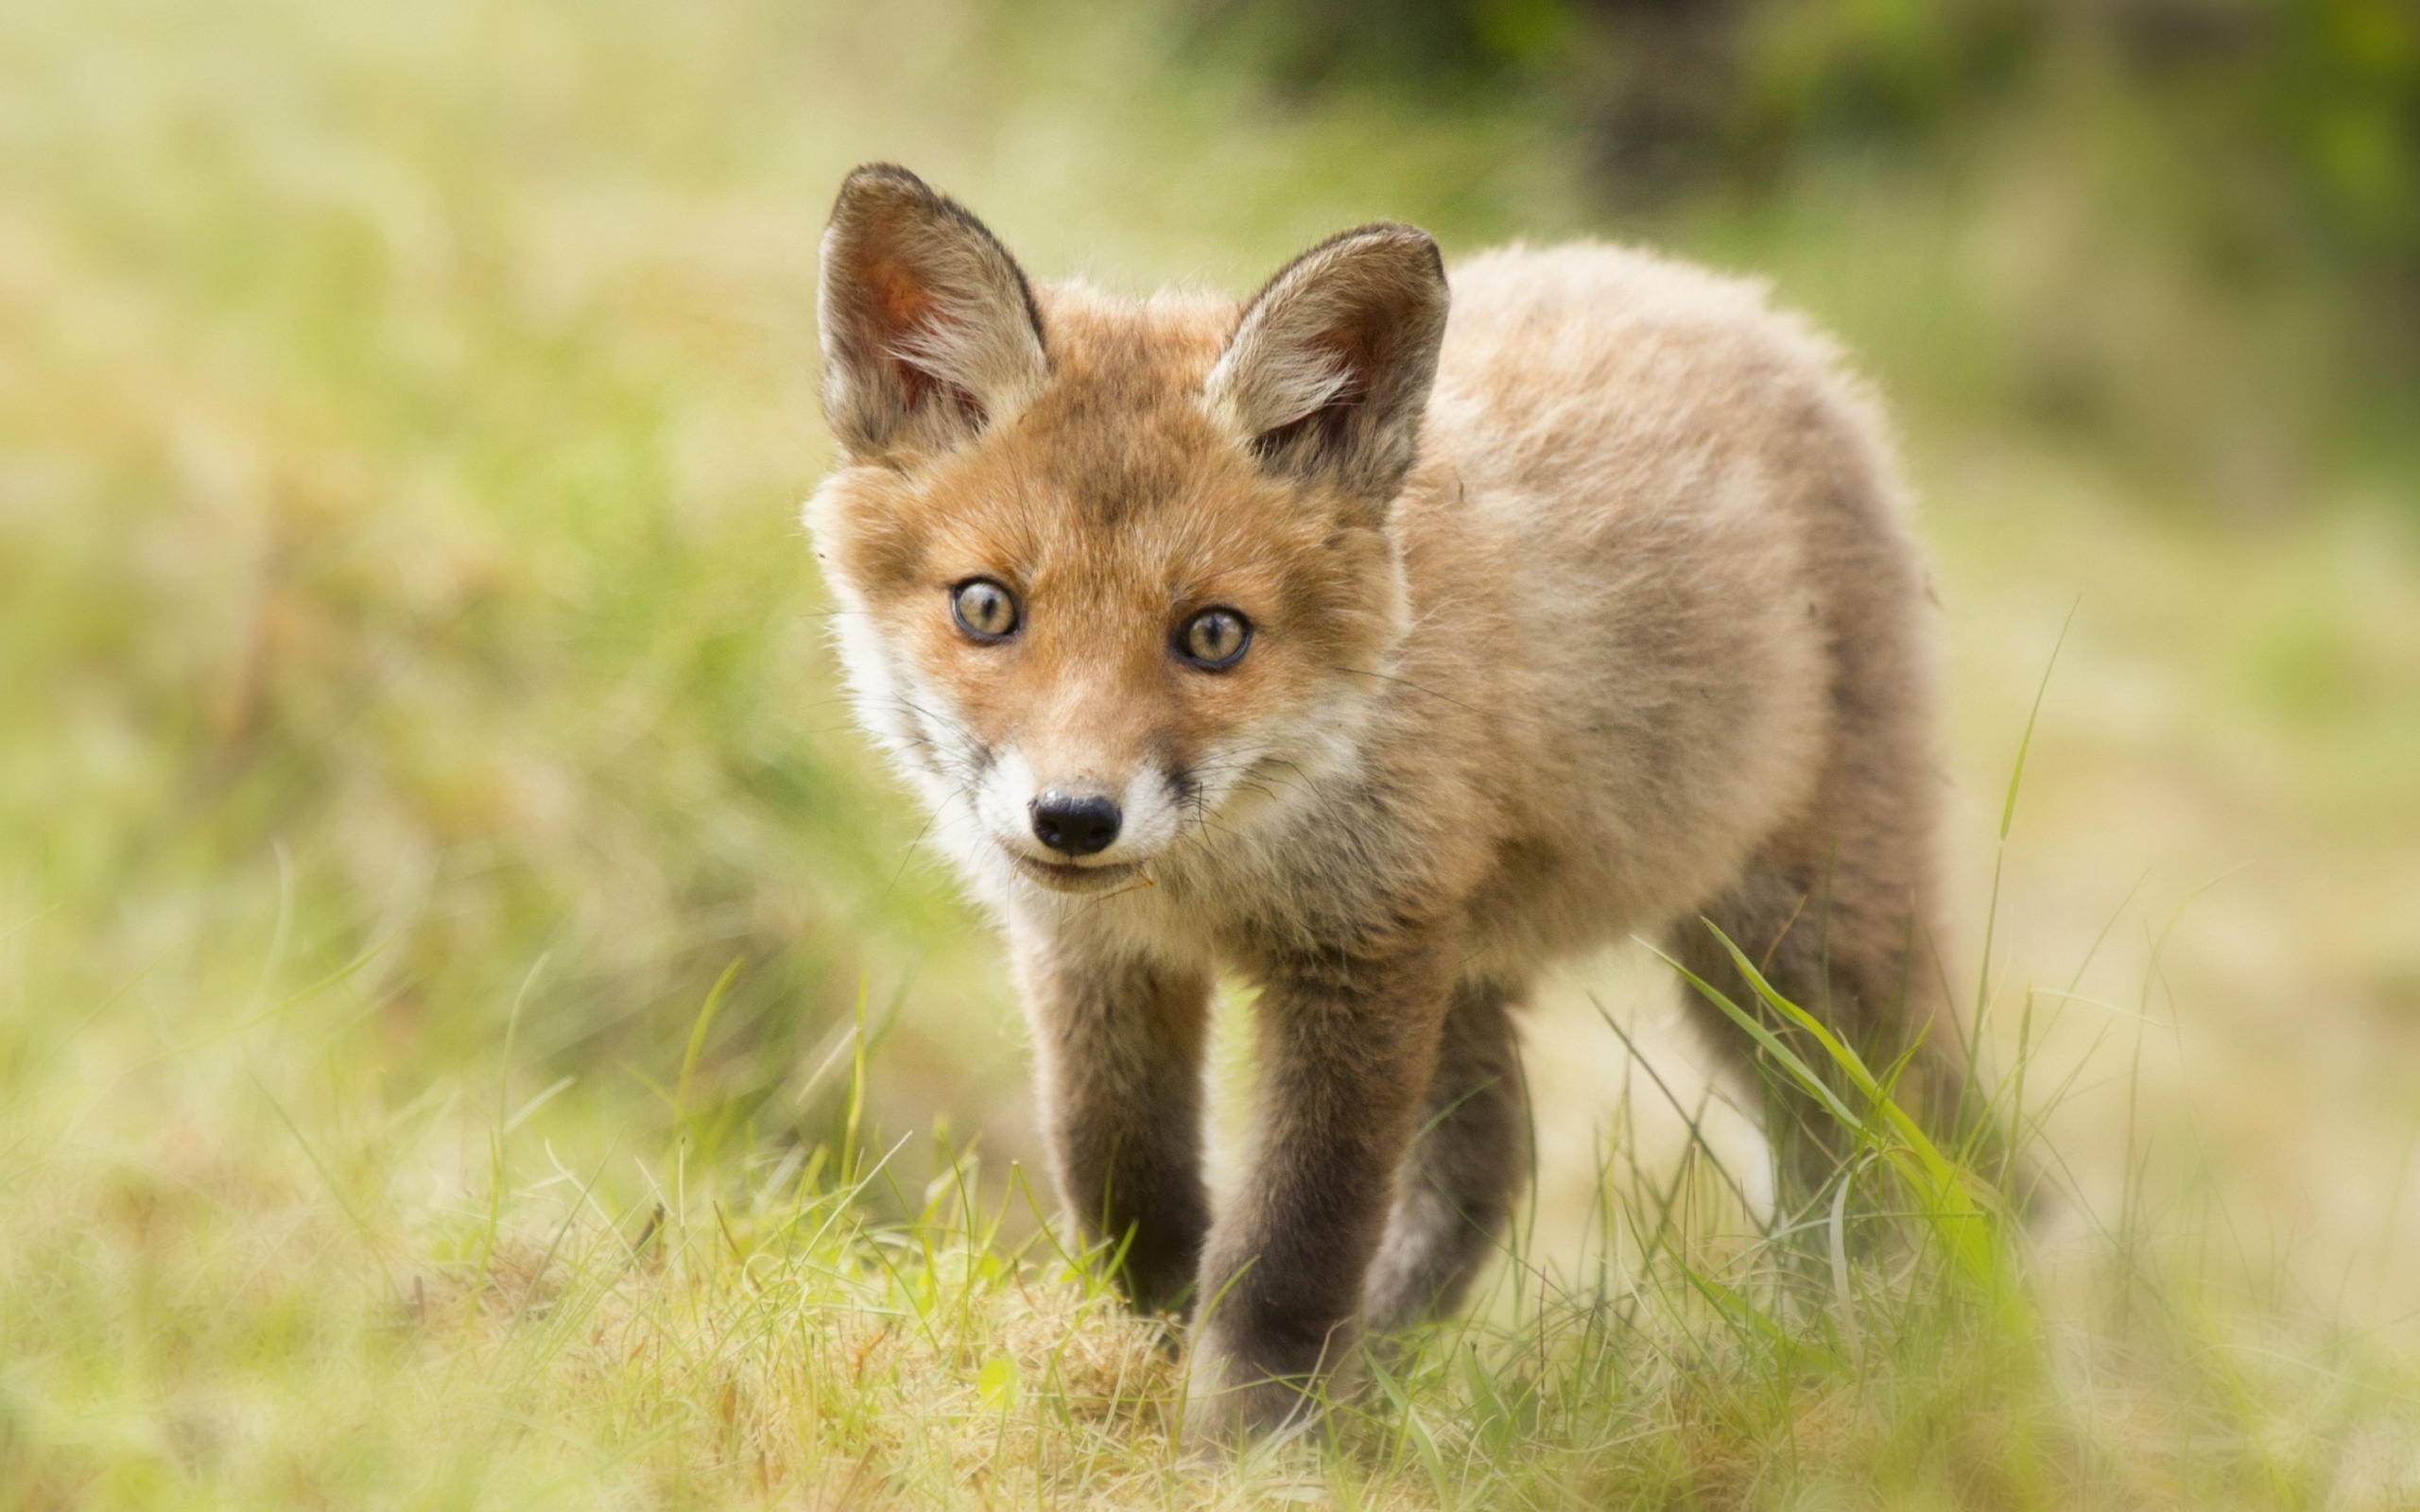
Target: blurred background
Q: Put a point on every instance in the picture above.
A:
(413, 693)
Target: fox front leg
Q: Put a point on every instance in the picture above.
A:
(1467, 1165)
(1117, 1045)
(1347, 1045)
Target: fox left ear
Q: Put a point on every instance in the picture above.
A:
(928, 327)
(1329, 368)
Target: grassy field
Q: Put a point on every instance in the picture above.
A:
(477, 1029)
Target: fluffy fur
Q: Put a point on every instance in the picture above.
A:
(1587, 612)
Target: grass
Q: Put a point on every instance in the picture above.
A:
(464, 986)
(243, 1271)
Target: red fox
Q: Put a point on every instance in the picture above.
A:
(1378, 639)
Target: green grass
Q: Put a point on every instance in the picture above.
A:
(477, 1029)
(245, 1271)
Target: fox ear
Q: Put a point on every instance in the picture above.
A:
(1330, 367)
(928, 327)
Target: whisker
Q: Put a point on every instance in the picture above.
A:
(1388, 676)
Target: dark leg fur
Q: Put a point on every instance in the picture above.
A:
(1119, 1047)
(1456, 1190)
(1347, 1047)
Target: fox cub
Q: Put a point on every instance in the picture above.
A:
(1380, 639)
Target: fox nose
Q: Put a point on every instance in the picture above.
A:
(1072, 824)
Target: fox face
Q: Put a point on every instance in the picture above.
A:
(1114, 578)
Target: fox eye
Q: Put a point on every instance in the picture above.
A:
(984, 610)
(1215, 639)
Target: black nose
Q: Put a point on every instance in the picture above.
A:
(1074, 826)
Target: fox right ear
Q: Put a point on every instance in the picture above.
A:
(928, 328)
(1329, 367)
